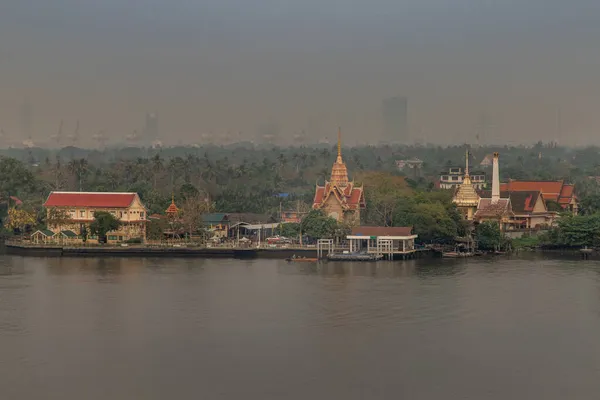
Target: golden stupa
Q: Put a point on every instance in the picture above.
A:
(466, 197)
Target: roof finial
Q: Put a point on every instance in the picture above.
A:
(467, 163)
(339, 143)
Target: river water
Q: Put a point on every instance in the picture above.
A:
(73, 329)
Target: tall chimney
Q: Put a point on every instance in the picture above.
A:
(495, 180)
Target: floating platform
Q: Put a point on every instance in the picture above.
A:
(354, 257)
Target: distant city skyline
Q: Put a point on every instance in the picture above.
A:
(210, 67)
(395, 120)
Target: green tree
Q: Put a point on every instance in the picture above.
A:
(317, 225)
(155, 229)
(589, 204)
(290, 230)
(553, 206)
(488, 235)
(103, 223)
(56, 218)
(19, 219)
(577, 231)
(383, 192)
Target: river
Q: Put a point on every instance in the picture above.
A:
(124, 328)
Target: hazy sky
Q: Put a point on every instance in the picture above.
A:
(235, 65)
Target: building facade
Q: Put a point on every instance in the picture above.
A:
(80, 208)
(454, 176)
(340, 198)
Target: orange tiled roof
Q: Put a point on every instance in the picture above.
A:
(172, 209)
(551, 190)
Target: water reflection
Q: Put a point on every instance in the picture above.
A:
(380, 269)
(183, 328)
(12, 265)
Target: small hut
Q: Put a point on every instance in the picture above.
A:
(67, 237)
(42, 236)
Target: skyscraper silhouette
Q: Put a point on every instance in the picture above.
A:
(151, 128)
(395, 120)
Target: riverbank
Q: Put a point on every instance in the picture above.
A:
(147, 251)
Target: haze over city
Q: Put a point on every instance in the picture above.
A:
(517, 71)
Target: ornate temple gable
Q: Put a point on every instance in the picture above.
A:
(339, 197)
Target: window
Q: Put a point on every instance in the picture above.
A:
(445, 177)
(112, 237)
(82, 213)
(141, 215)
(121, 213)
(455, 178)
(121, 238)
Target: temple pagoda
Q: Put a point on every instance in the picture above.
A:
(172, 210)
(466, 197)
(340, 198)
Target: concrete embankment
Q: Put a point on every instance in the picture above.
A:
(141, 251)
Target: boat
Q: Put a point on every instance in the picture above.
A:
(586, 250)
(354, 257)
(456, 254)
(301, 259)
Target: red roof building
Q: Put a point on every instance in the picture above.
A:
(79, 209)
(340, 198)
(557, 191)
(90, 199)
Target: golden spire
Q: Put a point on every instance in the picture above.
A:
(467, 178)
(339, 144)
(339, 173)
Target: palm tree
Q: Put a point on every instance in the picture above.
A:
(157, 167)
(79, 168)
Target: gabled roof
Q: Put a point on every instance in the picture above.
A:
(69, 234)
(250, 218)
(548, 188)
(45, 232)
(558, 191)
(382, 231)
(90, 199)
(350, 196)
(521, 202)
(214, 218)
(493, 210)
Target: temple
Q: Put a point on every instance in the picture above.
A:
(466, 197)
(340, 198)
(495, 208)
(172, 211)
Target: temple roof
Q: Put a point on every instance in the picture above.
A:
(486, 208)
(551, 190)
(466, 195)
(350, 197)
(172, 209)
(521, 202)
